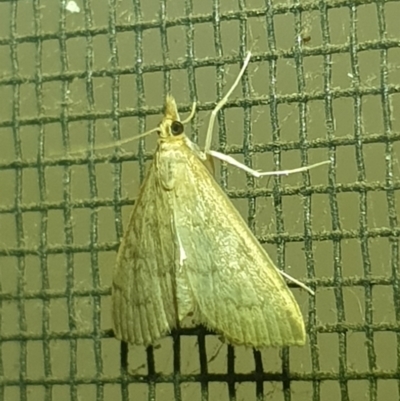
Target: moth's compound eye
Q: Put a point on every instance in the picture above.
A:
(176, 128)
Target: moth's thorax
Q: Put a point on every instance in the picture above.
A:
(171, 142)
(170, 158)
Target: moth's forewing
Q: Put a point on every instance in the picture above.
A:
(237, 289)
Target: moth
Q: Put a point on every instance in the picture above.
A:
(188, 252)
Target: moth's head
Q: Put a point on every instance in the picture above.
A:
(171, 125)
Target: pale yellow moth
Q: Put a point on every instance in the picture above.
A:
(187, 251)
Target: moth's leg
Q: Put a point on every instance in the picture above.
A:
(255, 173)
(299, 283)
(221, 103)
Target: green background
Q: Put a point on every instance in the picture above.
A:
(323, 84)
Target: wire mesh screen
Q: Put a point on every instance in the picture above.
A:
(323, 84)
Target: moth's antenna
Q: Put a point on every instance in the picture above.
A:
(127, 140)
(191, 115)
(117, 143)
